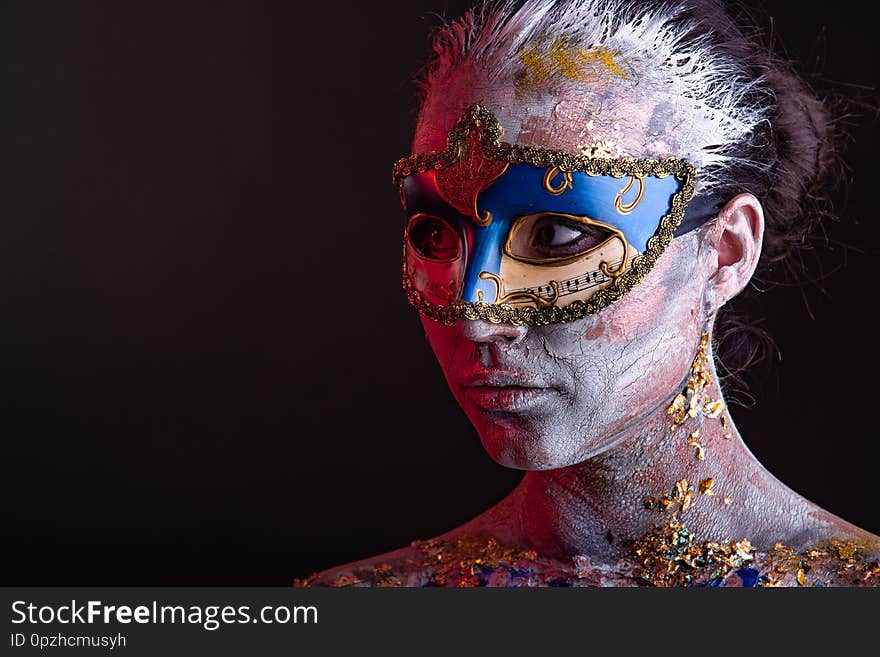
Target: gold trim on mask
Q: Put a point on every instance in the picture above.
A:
(518, 295)
(567, 181)
(478, 124)
(629, 207)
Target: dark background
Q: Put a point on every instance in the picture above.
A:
(210, 374)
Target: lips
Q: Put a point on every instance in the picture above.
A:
(504, 390)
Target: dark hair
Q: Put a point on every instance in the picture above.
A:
(786, 164)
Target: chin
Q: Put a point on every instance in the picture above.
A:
(512, 445)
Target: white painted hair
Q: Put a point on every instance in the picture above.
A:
(702, 104)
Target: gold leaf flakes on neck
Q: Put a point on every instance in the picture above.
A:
(695, 399)
(706, 486)
(678, 500)
(713, 409)
(699, 448)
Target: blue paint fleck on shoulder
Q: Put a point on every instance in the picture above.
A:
(749, 577)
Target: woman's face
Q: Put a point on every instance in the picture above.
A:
(552, 396)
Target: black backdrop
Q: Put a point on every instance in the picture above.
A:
(209, 372)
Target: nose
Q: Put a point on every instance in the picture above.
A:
(480, 330)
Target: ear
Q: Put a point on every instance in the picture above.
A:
(736, 239)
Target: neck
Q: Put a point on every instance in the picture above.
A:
(595, 506)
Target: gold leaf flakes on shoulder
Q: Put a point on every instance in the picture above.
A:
(457, 562)
(345, 580)
(670, 556)
(744, 549)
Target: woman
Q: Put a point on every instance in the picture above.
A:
(592, 182)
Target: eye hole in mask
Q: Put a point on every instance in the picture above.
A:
(433, 238)
(550, 238)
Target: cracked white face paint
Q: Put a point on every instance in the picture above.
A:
(548, 397)
(552, 396)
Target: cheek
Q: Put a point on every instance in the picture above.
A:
(629, 317)
(668, 296)
(634, 354)
(665, 303)
(444, 340)
(659, 323)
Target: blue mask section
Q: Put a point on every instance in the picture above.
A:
(486, 245)
(520, 191)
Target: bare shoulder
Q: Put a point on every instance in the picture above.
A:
(427, 562)
(848, 560)
(401, 567)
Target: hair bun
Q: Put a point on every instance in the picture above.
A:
(802, 140)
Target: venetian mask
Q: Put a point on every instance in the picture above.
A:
(527, 235)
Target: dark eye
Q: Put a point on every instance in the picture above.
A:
(548, 236)
(433, 238)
